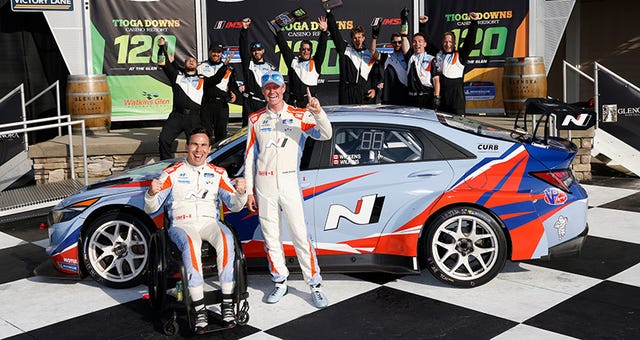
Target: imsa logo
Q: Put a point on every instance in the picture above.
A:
(367, 211)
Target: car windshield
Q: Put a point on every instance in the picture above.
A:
(482, 129)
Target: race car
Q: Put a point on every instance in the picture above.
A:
(396, 190)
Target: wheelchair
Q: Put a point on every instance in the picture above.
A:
(167, 273)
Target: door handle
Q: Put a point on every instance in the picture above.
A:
(425, 173)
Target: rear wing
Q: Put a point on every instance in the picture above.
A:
(563, 115)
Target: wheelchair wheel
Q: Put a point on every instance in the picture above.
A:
(170, 327)
(186, 298)
(157, 276)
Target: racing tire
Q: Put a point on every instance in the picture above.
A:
(157, 274)
(465, 247)
(115, 249)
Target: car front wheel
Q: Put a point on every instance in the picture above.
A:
(116, 249)
(465, 247)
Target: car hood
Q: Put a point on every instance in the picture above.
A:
(129, 180)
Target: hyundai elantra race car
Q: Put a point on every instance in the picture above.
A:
(395, 190)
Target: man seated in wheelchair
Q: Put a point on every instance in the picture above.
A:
(192, 191)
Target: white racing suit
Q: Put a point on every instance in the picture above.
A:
(194, 195)
(274, 146)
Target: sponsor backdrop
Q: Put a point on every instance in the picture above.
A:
(502, 32)
(224, 21)
(11, 144)
(619, 108)
(124, 39)
(124, 35)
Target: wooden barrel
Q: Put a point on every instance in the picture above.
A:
(89, 99)
(523, 78)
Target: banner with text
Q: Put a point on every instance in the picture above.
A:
(502, 32)
(619, 108)
(124, 41)
(224, 21)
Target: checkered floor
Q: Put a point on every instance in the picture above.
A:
(596, 295)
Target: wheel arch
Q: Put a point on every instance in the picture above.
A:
(148, 222)
(436, 214)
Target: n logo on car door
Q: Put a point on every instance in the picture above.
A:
(367, 211)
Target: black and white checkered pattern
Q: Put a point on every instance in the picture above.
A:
(595, 295)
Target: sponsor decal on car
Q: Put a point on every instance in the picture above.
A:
(561, 226)
(367, 211)
(553, 196)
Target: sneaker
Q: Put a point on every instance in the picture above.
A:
(202, 320)
(228, 313)
(279, 291)
(318, 297)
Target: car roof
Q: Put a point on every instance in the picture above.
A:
(368, 111)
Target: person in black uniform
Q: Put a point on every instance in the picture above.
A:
(394, 66)
(187, 94)
(357, 83)
(422, 77)
(253, 67)
(450, 64)
(304, 71)
(214, 114)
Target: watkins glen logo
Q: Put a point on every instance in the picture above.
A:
(555, 196)
(148, 99)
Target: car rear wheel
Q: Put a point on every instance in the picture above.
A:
(465, 247)
(116, 249)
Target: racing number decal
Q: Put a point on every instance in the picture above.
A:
(367, 211)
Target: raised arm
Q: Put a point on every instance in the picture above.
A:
(466, 45)
(286, 51)
(336, 36)
(318, 57)
(243, 44)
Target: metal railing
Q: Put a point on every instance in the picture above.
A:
(59, 125)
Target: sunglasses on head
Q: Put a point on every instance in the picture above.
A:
(277, 77)
(256, 46)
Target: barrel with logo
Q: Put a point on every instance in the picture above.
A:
(523, 78)
(89, 99)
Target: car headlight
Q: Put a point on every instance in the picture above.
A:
(69, 212)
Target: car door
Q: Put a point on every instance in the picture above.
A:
(373, 181)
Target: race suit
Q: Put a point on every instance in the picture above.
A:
(357, 74)
(214, 114)
(185, 114)
(451, 69)
(252, 72)
(193, 196)
(302, 73)
(274, 147)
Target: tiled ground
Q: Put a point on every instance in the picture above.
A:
(593, 296)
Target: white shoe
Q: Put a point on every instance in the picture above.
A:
(279, 291)
(318, 297)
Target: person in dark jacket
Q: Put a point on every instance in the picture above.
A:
(304, 70)
(253, 68)
(357, 83)
(450, 64)
(214, 114)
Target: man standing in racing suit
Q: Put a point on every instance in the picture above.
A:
(253, 67)
(192, 190)
(357, 83)
(304, 71)
(274, 145)
(450, 64)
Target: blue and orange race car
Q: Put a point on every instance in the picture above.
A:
(395, 190)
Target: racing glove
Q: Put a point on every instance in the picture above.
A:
(375, 28)
(436, 102)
